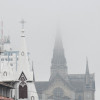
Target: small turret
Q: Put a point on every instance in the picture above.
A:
(87, 75)
(87, 67)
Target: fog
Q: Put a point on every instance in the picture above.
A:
(79, 22)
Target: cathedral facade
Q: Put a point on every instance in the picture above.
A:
(64, 86)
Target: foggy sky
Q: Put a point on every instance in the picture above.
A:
(79, 22)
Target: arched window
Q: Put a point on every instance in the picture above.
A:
(32, 98)
(5, 73)
(58, 93)
(22, 91)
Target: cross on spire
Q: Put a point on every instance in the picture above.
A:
(22, 22)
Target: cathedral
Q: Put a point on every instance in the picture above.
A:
(64, 86)
(61, 85)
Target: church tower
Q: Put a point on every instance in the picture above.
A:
(25, 86)
(58, 63)
(87, 75)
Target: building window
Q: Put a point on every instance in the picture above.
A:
(22, 91)
(58, 93)
(32, 98)
(5, 73)
(23, 87)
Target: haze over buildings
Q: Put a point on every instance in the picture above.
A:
(79, 26)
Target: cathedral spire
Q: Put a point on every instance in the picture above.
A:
(23, 39)
(58, 52)
(58, 63)
(87, 75)
(87, 67)
(22, 22)
(23, 62)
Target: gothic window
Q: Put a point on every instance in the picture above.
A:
(58, 93)
(22, 87)
(32, 98)
(22, 91)
(22, 53)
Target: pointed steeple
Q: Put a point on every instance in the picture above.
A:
(23, 62)
(33, 72)
(58, 52)
(23, 57)
(87, 67)
(58, 63)
(87, 75)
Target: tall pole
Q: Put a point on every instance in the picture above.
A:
(22, 22)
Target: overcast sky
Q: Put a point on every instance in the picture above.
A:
(79, 23)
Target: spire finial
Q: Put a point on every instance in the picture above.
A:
(87, 67)
(22, 22)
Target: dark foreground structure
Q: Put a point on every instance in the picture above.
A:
(5, 91)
